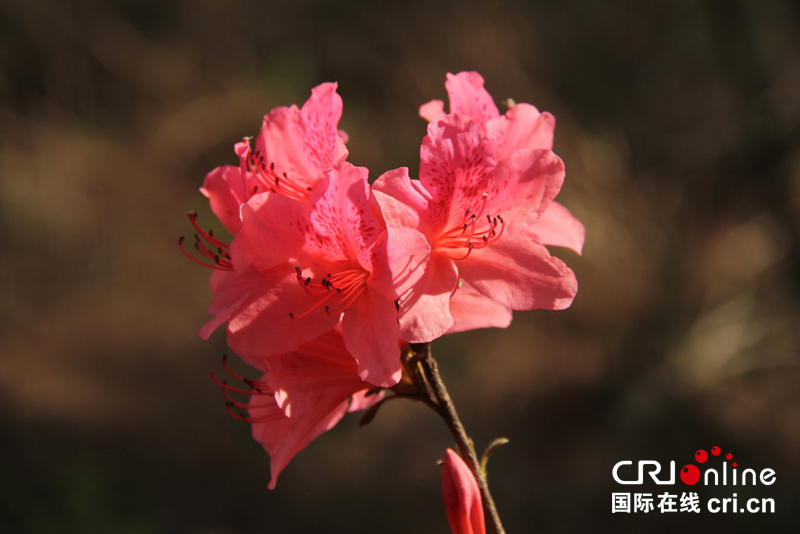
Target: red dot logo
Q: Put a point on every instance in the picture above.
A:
(690, 474)
(728, 456)
(734, 464)
(701, 456)
(715, 450)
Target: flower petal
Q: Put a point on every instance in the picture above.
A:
(520, 274)
(456, 159)
(307, 392)
(324, 147)
(263, 327)
(558, 227)
(468, 97)
(522, 127)
(342, 214)
(231, 291)
(270, 428)
(299, 145)
(225, 189)
(425, 309)
(432, 111)
(528, 180)
(471, 310)
(401, 199)
(315, 377)
(371, 335)
(397, 261)
(462, 498)
(283, 437)
(275, 230)
(281, 142)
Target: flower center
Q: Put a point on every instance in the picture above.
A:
(475, 231)
(209, 247)
(336, 291)
(273, 180)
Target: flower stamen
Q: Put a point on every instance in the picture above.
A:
(271, 179)
(475, 232)
(340, 289)
(220, 257)
(257, 387)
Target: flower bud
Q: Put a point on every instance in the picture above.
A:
(462, 498)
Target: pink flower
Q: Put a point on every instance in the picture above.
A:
(297, 269)
(487, 222)
(292, 152)
(303, 394)
(521, 127)
(462, 498)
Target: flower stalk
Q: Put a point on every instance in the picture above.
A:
(429, 373)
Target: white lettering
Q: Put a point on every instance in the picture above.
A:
(744, 476)
(713, 510)
(752, 510)
(628, 462)
(640, 478)
(764, 505)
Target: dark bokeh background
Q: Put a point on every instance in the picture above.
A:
(679, 123)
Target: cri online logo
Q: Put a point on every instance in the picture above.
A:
(690, 474)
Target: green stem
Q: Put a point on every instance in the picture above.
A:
(433, 382)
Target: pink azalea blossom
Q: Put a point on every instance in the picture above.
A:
(521, 127)
(462, 498)
(487, 222)
(291, 154)
(302, 394)
(296, 269)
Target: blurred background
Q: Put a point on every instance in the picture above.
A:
(679, 122)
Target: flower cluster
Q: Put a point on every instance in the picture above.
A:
(327, 276)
